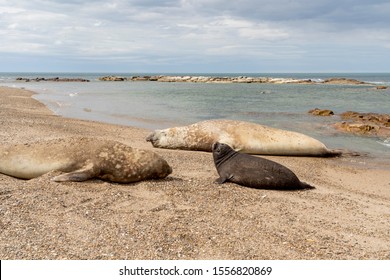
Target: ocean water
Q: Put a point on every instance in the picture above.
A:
(156, 105)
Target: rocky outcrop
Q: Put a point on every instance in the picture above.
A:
(343, 81)
(321, 112)
(381, 119)
(56, 79)
(363, 129)
(370, 124)
(143, 78)
(365, 124)
(381, 87)
(112, 79)
(239, 79)
(202, 79)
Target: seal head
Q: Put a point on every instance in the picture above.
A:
(252, 171)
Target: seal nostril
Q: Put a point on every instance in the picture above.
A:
(214, 146)
(150, 137)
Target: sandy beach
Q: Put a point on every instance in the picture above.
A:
(186, 215)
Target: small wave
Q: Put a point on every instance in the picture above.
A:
(317, 80)
(58, 104)
(385, 142)
(5, 79)
(378, 83)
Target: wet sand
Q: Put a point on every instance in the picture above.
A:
(186, 215)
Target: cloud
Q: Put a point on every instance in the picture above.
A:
(189, 33)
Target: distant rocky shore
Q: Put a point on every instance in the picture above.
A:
(56, 79)
(240, 79)
(205, 79)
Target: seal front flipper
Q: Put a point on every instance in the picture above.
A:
(79, 175)
(223, 179)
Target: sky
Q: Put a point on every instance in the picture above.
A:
(195, 36)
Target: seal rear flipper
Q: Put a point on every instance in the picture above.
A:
(334, 153)
(79, 175)
(306, 186)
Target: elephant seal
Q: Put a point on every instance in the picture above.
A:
(252, 171)
(242, 136)
(82, 159)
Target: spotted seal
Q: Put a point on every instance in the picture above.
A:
(246, 137)
(252, 171)
(82, 159)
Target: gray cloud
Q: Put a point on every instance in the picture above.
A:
(191, 33)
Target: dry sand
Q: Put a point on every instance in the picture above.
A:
(187, 215)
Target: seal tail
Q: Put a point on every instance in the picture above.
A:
(306, 186)
(333, 153)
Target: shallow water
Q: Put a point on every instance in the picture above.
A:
(156, 105)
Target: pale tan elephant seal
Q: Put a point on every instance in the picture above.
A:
(82, 159)
(242, 136)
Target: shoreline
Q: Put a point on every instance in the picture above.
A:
(187, 215)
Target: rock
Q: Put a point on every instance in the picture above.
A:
(23, 79)
(112, 79)
(343, 81)
(154, 78)
(321, 112)
(380, 119)
(168, 79)
(56, 79)
(381, 87)
(360, 128)
(369, 124)
(363, 129)
(239, 79)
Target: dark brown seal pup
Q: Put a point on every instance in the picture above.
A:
(252, 171)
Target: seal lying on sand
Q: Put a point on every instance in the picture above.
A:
(82, 159)
(252, 171)
(242, 136)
